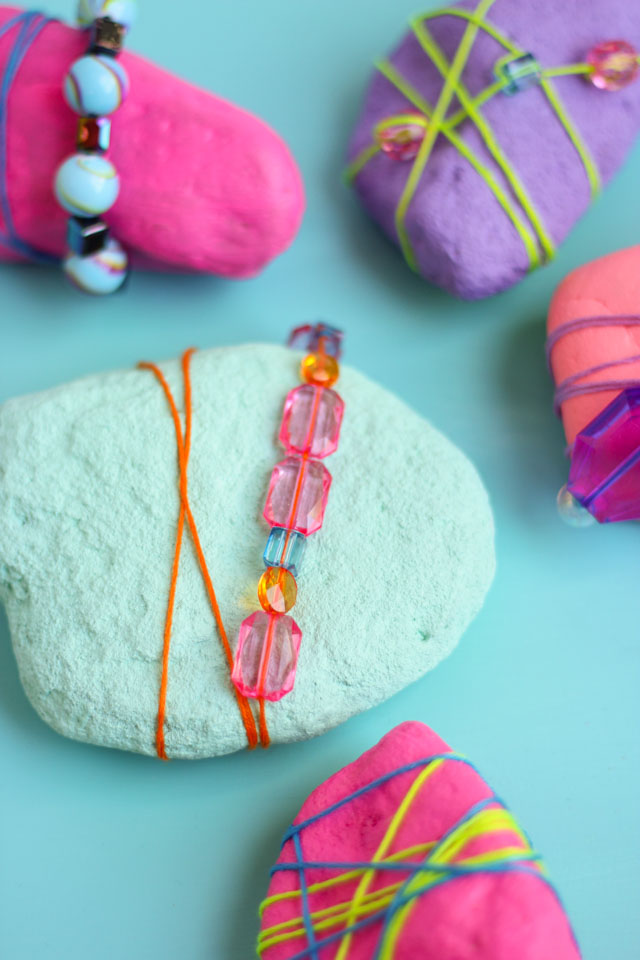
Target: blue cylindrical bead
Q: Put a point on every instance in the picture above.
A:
(285, 548)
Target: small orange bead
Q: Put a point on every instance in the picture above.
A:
(320, 369)
(277, 590)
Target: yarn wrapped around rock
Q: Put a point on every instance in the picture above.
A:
(408, 853)
(89, 504)
(205, 186)
(505, 177)
(606, 289)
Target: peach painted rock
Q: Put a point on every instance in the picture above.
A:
(474, 234)
(204, 185)
(607, 287)
(410, 800)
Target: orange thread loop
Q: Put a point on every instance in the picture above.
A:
(184, 449)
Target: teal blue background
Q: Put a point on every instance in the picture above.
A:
(109, 855)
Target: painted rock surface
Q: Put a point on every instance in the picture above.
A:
(408, 800)
(456, 224)
(608, 287)
(88, 512)
(203, 184)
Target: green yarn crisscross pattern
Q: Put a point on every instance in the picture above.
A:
(513, 195)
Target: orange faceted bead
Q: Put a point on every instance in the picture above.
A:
(277, 590)
(320, 369)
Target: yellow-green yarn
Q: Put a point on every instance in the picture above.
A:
(447, 130)
(530, 227)
(447, 93)
(446, 853)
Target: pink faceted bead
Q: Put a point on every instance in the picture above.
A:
(614, 63)
(401, 141)
(298, 494)
(311, 421)
(267, 656)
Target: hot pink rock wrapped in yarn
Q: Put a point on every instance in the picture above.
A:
(204, 185)
(498, 906)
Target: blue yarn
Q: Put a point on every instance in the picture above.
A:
(375, 917)
(30, 24)
(425, 761)
(400, 867)
(516, 863)
(312, 950)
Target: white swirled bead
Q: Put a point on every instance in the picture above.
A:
(120, 11)
(99, 273)
(96, 85)
(86, 184)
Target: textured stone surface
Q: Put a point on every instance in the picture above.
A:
(204, 184)
(463, 239)
(88, 509)
(488, 916)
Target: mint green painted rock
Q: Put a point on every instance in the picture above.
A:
(88, 510)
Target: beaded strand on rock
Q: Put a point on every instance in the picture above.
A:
(269, 640)
(87, 183)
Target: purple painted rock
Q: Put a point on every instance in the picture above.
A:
(462, 233)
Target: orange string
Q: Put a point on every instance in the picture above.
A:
(265, 739)
(184, 449)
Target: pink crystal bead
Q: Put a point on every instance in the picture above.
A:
(267, 655)
(614, 65)
(297, 496)
(605, 461)
(311, 421)
(401, 141)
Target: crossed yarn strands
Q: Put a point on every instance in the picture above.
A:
(428, 865)
(184, 448)
(27, 26)
(517, 204)
(571, 386)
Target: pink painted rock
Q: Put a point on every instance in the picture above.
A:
(606, 287)
(204, 185)
(452, 818)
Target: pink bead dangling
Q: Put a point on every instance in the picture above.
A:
(614, 65)
(401, 141)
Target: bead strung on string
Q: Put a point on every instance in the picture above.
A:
(613, 65)
(269, 640)
(400, 138)
(87, 183)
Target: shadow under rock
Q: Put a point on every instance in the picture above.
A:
(240, 940)
(365, 240)
(537, 464)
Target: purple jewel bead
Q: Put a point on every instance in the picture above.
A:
(605, 461)
(312, 336)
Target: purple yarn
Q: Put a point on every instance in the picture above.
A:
(571, 386)
(462, 238)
